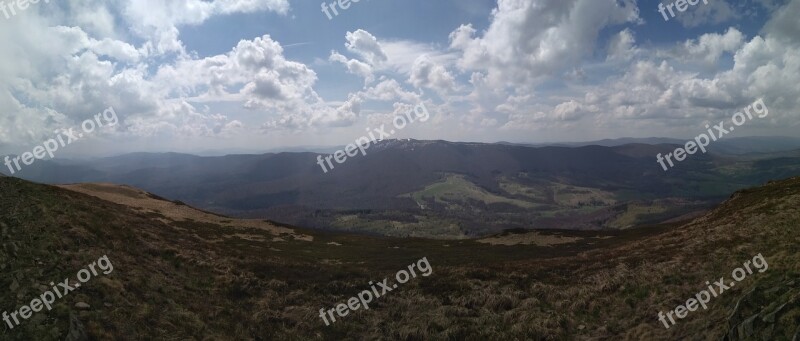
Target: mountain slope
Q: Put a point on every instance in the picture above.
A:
(180, 278)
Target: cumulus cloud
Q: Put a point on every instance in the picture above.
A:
(389, 90)
(158, 21)
(89, 63)
(710, 47)
(784, 24)
(655, 89)
(354, 66)
(427, 74)
(531, 39)
(366, 45)
(538, 65)
(622, 46)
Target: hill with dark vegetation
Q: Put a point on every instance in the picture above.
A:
(180, 273)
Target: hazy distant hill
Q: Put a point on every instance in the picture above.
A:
(439, 188)
(180, 273)
(732, 146)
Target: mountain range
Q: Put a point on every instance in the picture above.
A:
(445, 189)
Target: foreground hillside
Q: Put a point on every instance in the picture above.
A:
(186, 274)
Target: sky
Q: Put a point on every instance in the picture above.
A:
(253, 75)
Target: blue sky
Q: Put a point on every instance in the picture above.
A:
(251, 75)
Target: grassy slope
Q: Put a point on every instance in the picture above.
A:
(466, 209)
(186, 279)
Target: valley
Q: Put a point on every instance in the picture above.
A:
(446, 190)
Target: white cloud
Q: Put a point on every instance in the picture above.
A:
(158, 21)
(87, 65)
(389, 90)
(402, 54)
(537, 65)
(256, 73)
(572, 110)
(622, 46)
(528, 40)
(354, 66)
(784, 24)
(366, 45)
(710, 47)
(427, 74)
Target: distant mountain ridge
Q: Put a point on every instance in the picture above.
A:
(728, 146)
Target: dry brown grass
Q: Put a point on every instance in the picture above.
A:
(172, 211)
